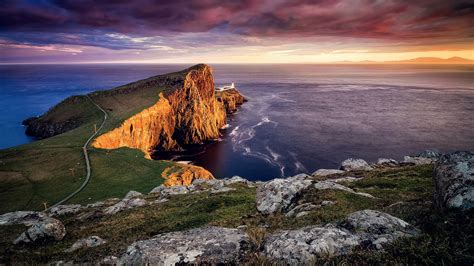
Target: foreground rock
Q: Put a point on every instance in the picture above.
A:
(366, 229)
(278, 194)
(322, 185)
(326, 172)
(48, 229)
(208, 245)
(22, 217)
(377, 228)
(125, 204)
(65, 209)
(454, 181)
(355, 165)
(89, 242)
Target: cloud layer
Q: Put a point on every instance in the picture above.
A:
(187, 24)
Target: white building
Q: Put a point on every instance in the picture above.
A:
(226, 87)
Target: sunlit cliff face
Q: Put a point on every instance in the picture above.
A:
(243, 31)
(190, 114)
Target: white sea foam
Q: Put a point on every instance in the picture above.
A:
(225, 126)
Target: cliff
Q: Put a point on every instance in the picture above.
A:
(231, 99)
(188, 114)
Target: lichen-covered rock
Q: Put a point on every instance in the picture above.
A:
(365, 229)
(133, 194)
(429, 154)
(355, 165)
(454, 181)
(65, 209)
(22, 217)
(302, 208)
(377, 228)
(326, 172)
(208, 245)
(125, 204)
(278, 194)
(322, 185)
(89, 242)
(48, 229)
(303, 245)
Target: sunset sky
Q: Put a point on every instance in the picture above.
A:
(232, 31)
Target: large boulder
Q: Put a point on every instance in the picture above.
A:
(22, 217)
(278, 194)
(48, 229)
(454, 181)
(355, 165)
(301, 246)
(208, 245)
(377, 228)
(364, 229)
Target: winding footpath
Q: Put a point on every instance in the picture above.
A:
(86, 157)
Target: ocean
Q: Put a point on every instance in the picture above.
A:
(299, 118)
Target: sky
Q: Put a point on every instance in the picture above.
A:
(233, 31)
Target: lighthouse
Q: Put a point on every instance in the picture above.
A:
(232, 86)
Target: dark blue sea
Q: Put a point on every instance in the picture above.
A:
(299, 118)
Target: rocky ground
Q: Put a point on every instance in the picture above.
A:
(418, 211)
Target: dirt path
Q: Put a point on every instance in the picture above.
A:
(86, 157)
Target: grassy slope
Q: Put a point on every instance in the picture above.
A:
(41, 171)
(446, 237)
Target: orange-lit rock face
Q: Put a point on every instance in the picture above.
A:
(190, 114)
(184, 175)
(231, 99)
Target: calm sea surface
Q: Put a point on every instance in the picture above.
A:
(299, 117)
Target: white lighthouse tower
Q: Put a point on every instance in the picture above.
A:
(232, 86)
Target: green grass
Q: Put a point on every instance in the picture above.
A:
(120, 230)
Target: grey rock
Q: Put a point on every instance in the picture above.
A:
(305, 207)
(48, 229)
(133, 194)
(110, 260)
(365, 229)
(344, 179)
(303, 245)
(163, 200)
(278, 194)
(429, 154)
(89, 242)
(355, 165)
(22, 217)
(65, 209)
(326, 172)
(322, 185)
(125, 204)
(454, 181)
(377, 227)
(173, 190)
(221, 190)
(236, 179)
(387, 162)
(417, 160)
(327, 203)
(208, 245)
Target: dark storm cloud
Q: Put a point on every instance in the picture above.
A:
(90, 20)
